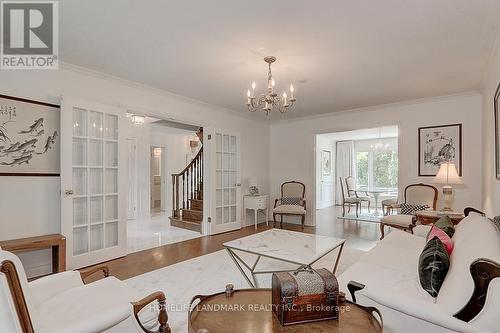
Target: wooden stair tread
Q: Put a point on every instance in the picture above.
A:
(185, 224)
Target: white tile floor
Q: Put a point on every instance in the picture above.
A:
(152, 230)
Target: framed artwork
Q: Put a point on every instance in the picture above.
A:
(29, 137)
(326, 163)
(438, 144)
(497, 131)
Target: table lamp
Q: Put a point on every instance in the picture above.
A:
(252, 186)
(448, 176)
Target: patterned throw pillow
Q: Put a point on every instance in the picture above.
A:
(443, 237)
(410, 209)
(446, 225)
(433, 266)
(291, 201)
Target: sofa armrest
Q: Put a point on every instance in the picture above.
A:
(47, 287)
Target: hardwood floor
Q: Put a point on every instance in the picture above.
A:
(359, 235)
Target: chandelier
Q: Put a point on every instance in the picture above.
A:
(379, 145)
(136, 119)
(270, 100)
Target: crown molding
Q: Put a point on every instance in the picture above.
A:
(149, 89)
(432, 99)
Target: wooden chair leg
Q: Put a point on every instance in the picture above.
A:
(382, 231)
(281, 221)
(358, 206)
(303, 221)
(274, 220)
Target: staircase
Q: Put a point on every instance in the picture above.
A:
(187, 189)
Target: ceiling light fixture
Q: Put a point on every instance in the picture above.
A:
(270, 100)
(137, 119)
(379, 145)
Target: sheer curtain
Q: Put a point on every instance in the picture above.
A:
(345, 165)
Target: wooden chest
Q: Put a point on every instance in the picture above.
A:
(305, 295)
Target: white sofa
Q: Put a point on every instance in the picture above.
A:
(62, 303)
(390, 275)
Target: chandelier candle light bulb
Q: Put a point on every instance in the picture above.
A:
(270, 100)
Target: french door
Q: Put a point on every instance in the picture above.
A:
(225, 184)
(93, 182)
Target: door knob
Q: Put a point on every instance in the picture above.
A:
(69, 192)
(238, 184)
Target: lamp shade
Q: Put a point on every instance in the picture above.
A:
(252, 182)
(447, 174)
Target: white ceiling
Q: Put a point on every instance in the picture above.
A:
(363, 134)
(340, 54)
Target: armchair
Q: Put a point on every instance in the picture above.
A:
(292, 202)
(414, 194)
(62, 303)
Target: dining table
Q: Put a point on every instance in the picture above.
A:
(376, 192)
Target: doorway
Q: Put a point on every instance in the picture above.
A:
(361, 164)
(157, 175)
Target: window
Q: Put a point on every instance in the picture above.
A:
(377, 168)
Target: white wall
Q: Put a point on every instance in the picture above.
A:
(31, 206)
(176, 142)
(491, 186)
(292, 142)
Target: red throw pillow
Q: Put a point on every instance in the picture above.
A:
(443, 237)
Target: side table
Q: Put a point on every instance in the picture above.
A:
(431, 216)
(257, 202)
(56, 242)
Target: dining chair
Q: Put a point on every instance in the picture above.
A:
(352, 185)
(348, 200)
(292, 202)
(415, 194)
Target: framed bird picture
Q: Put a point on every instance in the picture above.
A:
(29, 137)
(438, 144)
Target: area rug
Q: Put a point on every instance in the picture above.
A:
(210, 274)
(363, 216)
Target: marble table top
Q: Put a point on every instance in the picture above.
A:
(291, 246)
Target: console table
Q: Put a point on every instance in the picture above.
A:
(257, 202)
(56, 242)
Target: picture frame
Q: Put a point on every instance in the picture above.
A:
(438, 144)
(326, 163)
(496, 108)
(29, 137)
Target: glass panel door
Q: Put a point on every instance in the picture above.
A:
(93, 226)
(226, 209)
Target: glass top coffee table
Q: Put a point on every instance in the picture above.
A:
(282, 245)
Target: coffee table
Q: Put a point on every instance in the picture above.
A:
(282, 245)
(250, 310)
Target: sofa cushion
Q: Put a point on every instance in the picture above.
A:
(433, 266)
(445, 224)
(443, 237)
(475, 237)
(94, 307)
(289, 209)
(400, 219)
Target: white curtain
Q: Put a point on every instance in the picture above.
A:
(345, 165)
